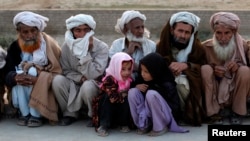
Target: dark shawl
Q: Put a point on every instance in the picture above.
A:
(163, 81)
(194, 113)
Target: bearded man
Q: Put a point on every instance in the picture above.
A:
(184, 54)
(136, 40)
(226, 76)
(32, 94)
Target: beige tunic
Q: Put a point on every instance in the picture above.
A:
(220, 92)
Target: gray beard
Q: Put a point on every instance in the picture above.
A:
(224, 52)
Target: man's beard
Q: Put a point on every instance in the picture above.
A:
(29, 45)
(175, 42)
(224, 52)
(131, 37)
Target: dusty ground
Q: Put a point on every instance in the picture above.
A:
(125, 4)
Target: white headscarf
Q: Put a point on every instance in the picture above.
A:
(31, 19)
(79, 46)
(127, 16)
(191, 19)
(3, 54)
(80, 19)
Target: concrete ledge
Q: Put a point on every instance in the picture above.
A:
(106, 20)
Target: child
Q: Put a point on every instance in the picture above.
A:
(154, 101)
(111, 105)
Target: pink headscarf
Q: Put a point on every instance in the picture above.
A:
(114, 69)
(232, 21)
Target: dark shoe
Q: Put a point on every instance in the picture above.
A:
(65, 121)
(90, 122)
(235, 119)
(35, 122)
(23, 120)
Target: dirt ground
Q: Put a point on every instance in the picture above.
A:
(125, 4)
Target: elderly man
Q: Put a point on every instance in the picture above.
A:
(183, 52)
(226, 76)
(33, 95)
(135, 41)
(84, 58)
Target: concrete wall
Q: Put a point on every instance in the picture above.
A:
(106, 20)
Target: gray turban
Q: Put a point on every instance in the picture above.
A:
(187, 17)
(31, 19)
(127, 16)
(80, 19)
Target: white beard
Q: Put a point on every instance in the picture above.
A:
(132, 37)
(224, 52)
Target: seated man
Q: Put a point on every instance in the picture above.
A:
(182, 50)
(84, 59)
(32, 95)
(135, 41)
(226, 76)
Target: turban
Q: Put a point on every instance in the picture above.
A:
(225, 18)
(3, 54)
(127, 16)
(80, 19)
(31, 19)
(187, 17)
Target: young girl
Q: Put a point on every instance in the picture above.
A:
(154, 102)
(111, 106)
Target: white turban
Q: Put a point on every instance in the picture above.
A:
(187, 17)
(80, 19)
(191, 19)
(3, 54)
(31, 19)
(127, 16)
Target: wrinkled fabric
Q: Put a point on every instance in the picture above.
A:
(127, 16)
(31, 19)
(80, 19)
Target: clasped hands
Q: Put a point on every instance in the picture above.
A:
(25, 79)
(231, 67)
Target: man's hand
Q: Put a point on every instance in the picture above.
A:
(178, 67)
(24, 79)
(232, 66)
(132, 46)
(219, 71)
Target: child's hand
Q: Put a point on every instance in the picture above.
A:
(142, 87)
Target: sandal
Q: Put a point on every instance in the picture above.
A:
(34, 122)
(23, 120)
(216, 120)
(124, 129)
(102, 131)
(158, 133)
